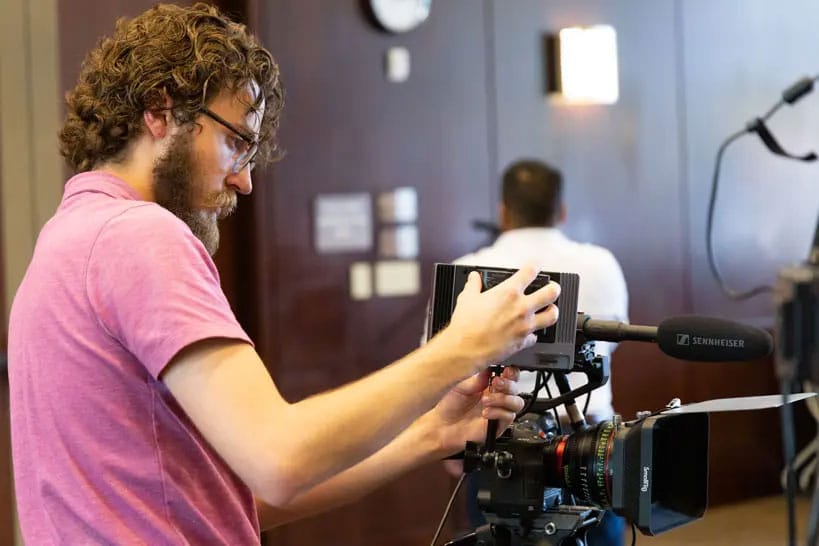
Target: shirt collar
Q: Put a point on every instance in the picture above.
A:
(100, 182)
(532, 233)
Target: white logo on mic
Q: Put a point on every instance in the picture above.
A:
(683, 339)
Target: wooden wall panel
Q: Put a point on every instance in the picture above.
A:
(345, 129)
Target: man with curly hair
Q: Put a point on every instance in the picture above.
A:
(140, 411)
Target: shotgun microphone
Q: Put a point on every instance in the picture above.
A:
(688, 337)
(711, 339)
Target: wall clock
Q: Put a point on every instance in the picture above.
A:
(399, 15)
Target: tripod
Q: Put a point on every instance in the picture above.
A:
(562, 525)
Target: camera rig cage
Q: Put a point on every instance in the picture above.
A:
(543, 488)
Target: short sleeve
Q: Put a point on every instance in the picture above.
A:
(154, 288)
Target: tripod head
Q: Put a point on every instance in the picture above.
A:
(558, 525)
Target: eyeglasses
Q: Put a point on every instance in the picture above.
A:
(245, 148)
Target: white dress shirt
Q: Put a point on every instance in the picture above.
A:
(602, 293)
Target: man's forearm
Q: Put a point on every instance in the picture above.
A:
(319, 429)
(281, 450)
(414, 447)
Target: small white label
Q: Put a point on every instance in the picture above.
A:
(398, 242)
(397, 63)
(361, 281)
(399, 206)
(397, 278)
(343, 223)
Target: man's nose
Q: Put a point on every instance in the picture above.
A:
(241, 181)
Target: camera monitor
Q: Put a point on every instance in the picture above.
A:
(555, 347)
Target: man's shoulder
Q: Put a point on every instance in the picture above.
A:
(592, 251)
(141, 211)
(132, 230)
(91, 208)
(486, 256)
(84, 222)
(547, 245)
(137, 220)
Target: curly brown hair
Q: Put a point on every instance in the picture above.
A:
(190, 54)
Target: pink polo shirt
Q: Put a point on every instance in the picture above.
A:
(102, 452)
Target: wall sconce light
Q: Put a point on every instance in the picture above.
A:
(581, 65)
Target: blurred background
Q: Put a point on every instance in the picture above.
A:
(357, 127)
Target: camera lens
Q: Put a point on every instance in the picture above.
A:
(580, 463)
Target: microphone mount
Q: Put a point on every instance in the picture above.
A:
(610, 330)
(757, 125)
(790, 96)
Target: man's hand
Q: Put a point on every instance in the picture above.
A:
(462, 413)
(489, 326)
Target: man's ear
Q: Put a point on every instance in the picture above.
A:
(157, 120)
(503, 217)
(562, 214)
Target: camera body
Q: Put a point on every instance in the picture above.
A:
(653, 471)
(555, 347)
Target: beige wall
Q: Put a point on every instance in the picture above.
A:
(30, 168)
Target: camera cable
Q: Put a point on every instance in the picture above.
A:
(709, 235)
(448, 510)
(549, 394)
(586, 404)
(533, 395)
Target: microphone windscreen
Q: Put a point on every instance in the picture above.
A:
(711, 339)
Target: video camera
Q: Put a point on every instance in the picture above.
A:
(653, 471)
(542, 487)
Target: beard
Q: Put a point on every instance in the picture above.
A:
(176, 189)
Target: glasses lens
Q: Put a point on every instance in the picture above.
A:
(246, 158)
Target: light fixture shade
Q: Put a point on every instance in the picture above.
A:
(587, 65)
